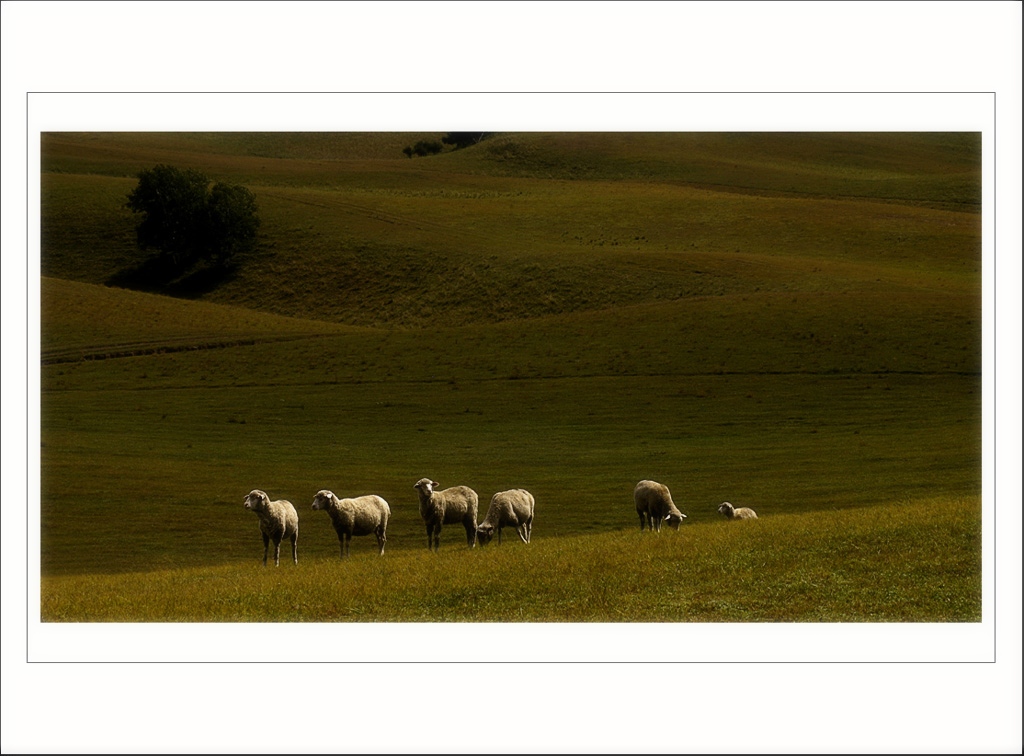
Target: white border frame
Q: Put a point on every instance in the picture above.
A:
(511, 47)
(584, 642)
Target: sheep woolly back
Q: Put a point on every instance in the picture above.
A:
(455, 505)
(447, 506)
(509, 507)
(361, 512)
(280, 512)
(515, 508)
(355, 517)
(654, 500)
(278, 520)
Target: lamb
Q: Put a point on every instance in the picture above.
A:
(736, 513)
(654, 505)
(452, 505)
(360, 516)
(514, 507)
(278, 520)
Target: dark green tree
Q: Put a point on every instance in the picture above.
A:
(423, 148)
(460, 139)
(188, 223)
(232, 220)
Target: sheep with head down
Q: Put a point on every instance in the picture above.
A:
(515, 508)
(457, 504)
(278, 520)
(359, 516)
(736, 513)
(654, 506)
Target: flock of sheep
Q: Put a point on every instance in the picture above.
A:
(514, 508)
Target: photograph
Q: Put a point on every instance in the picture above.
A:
(710, 377)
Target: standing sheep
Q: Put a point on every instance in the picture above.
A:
(452, 505)
(514, 507)
(736, 513)
(360, 516)
(654, 505)
(278, 520)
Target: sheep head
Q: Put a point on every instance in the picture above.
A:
(726, 508)
(484, 534)
(674, 519)
(323, 500)
(426, 486)
(257, 500)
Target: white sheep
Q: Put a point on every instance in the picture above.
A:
(447, 507)
(515, 508)
(654, 505)
(736, 513)
(359, 516)
(278, 520)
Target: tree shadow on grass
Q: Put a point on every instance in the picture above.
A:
(157, 276)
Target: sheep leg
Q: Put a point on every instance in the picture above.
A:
(295, 547)
(642, 522)
(277, 551)
(430, 537)
(470, 535)
(437, 537)
(521, 530)
(499, 535)
(381, 540)
(266, 548)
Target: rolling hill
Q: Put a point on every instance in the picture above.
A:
(789, 321)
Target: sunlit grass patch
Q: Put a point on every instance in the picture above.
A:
(912, 562)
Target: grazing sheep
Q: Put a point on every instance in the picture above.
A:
(654, 505)
(514, 508)
(278, 520)
(452, 505)
(360, 516)
(736, 513)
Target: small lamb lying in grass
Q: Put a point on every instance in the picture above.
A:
(736, 513)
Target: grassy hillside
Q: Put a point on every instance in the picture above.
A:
(789, 322)
(465, 236)
(84, 321)
(881, 564)
(790, 423)
(911, 167)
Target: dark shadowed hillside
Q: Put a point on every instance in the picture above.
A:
(528, 225)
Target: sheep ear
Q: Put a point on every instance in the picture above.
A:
(434, 484)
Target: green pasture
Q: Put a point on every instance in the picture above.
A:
(891, 563)
(792, 325)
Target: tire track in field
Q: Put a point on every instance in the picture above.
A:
(509, 380)
(164, 346)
